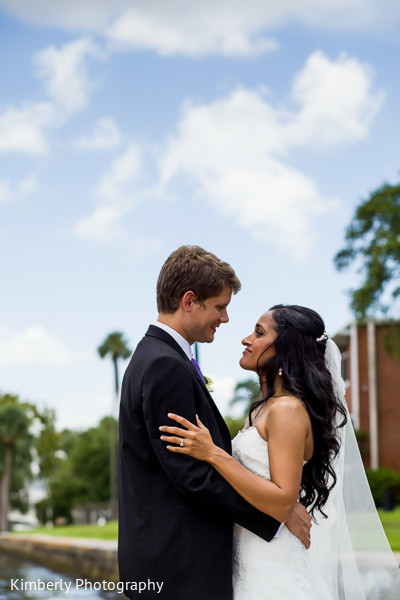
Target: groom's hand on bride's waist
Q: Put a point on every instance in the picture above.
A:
(299, 523)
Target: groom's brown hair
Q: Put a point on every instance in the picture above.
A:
(191, 268)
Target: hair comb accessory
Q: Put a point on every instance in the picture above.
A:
(324, 336)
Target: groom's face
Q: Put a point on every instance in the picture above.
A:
(207, 316)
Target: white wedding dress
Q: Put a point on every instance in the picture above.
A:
(278, 570)
(350, 557)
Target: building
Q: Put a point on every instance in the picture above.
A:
(372, 375)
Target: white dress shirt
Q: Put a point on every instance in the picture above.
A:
(184, 344)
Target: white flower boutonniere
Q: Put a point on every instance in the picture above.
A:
(209, 383)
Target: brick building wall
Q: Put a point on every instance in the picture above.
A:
(389, 404)
(373, 390)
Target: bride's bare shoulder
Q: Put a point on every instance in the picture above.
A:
(287, 406)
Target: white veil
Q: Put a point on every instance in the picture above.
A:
(350, 546)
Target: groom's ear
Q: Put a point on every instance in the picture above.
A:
(187, 301)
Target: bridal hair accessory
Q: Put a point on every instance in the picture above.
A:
(324, 336)
(181, 444)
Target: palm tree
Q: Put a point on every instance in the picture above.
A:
(246, 392)
(116, 347)
(14, 428)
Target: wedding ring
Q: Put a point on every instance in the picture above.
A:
(181, 444)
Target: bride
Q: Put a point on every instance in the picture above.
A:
(296, 444)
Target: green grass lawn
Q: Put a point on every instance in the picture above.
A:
(390, 521)
(109, 531)
(391, 525)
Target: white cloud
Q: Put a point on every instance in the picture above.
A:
(116, 195)
(114, 185)
(336, 101)
(105, 136)
(223, 393)
(102, 225)
(175, 28)
(24, 129)
(64, 73)
(72, 15)
(34, 346)
(83, 407)
(10, 192)
(200, 28)
(236, 149)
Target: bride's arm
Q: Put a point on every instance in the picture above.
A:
(287, 430)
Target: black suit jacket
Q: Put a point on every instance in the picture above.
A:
(175, 512)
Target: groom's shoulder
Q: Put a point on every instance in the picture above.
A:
(155, 358)
(157, 344)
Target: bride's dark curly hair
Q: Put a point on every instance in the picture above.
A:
(305, 376)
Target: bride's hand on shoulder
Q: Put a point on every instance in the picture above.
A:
(189, 439)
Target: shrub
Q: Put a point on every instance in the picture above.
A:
(382, 482)
(234, 425)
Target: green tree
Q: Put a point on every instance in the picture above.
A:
(54, 449)
(16, 443)
(82, 473)
(373, 243)
(48, 445)
(116, 347)
(89, 464)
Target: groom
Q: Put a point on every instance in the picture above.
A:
(176, 513)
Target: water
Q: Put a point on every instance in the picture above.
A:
(21, 579)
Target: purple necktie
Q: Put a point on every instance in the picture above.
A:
(196, 366)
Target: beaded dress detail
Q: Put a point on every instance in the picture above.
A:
(277, 570)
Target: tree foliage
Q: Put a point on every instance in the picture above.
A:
(373, 243)
(246, 392)
(74, 465)
(116, 347)
(234, 425)
(16, 445)
(89, 463)
(48, 444)
(81, 473)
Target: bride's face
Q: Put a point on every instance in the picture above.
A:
(260, 342)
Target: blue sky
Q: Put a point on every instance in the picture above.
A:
(128, 129)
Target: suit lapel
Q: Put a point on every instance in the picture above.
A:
(157, 332)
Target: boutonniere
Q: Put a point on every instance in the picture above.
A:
(209, 383)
